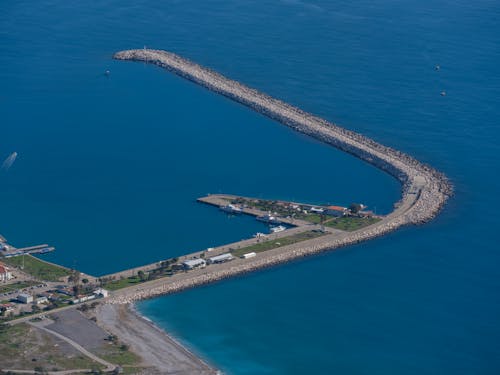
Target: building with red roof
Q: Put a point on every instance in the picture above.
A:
(336, 211)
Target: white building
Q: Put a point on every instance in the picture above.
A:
(41, 300)
(101, 293)
(317, 210)
(249, 255)
(83, 299)
(5, 274)
(25, 298)
(221, 258)
(194, 263)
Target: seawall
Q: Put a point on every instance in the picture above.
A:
(424, 190)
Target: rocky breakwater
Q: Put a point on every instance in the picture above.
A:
(424, 190)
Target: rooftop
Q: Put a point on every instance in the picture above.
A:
(193, 262)
(3, 268)
(337, 208)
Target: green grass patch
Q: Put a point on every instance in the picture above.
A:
(279, 242)
(313, 218)
(120, 355)
(60, 362)
(16, 286)
(349, 223)
(122, 283)
(7, 332)
(37, 268)
(26, 348)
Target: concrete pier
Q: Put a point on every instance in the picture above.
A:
(220, 200)
(424, 190)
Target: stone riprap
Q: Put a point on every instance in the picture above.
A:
(424, 190)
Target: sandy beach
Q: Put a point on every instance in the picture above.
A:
(160, 353)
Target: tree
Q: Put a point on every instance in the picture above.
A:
(85, 281)
(74, 277)
(76, 290)
(355, 208)
(142, 275)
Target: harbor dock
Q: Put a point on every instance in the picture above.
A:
(9, 251)
(221, 200)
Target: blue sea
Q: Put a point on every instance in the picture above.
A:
(109, 168)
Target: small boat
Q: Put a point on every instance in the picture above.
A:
(279, 228)
(443, 93)
(231, 209)
(269, 219)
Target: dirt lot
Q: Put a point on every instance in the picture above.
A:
(26, 348)
(74, 325)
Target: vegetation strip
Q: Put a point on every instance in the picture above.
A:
(38, 268)
(270, 244)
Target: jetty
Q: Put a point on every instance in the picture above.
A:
(8, 251)
(424, 189)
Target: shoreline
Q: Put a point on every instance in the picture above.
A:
(160, 352)
(132, 307)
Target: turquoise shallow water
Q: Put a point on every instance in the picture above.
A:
(109, 168)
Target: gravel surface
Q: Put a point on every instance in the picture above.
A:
(152, 344)
(72, 324)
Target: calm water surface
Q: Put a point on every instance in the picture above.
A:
(109, 169)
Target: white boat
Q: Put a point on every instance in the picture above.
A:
(231, 209)
(269, 219)
(279, 228)
(259, 235)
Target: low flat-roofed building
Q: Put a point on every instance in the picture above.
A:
(25, 298)
(317, 210)
(81, 299)
(366, 214)
(194, 263)
(41, 300)
(100, 292)
(6, 309)
(336, 211)
(221, 258)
